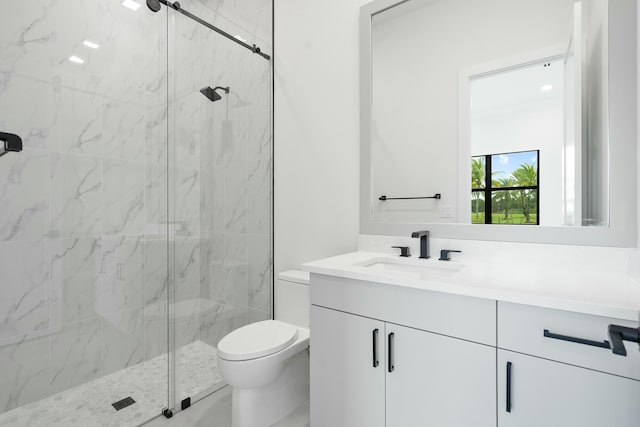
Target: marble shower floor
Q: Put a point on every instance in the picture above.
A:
(89, 405)
(215, 411)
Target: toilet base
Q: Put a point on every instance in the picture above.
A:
(265, 406)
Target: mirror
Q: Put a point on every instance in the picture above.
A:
(500, 119)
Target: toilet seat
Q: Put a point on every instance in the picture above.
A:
(257, 340)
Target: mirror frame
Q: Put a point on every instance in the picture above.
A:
(623, 145)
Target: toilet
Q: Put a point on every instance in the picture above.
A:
(267, 363)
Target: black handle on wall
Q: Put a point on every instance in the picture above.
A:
(10, 142)
(601, 344)
(509, 364)
(390, 349)
(376, 361)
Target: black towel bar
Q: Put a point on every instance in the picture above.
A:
(436, 196)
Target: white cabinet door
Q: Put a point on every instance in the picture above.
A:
(553, 394)
(347, 390)
(439, 381)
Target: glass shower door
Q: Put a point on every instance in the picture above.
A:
(220, 193)
(83, 213)
(135, 224)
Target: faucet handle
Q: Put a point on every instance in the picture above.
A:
(404, 251)
(444, 254)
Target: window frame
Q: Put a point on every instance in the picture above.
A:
(489, 188)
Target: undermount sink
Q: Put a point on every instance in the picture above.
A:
(420, 268)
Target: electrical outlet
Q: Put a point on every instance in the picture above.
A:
(446, 212)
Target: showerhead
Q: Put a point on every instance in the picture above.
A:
(154, 5)
(211, 94)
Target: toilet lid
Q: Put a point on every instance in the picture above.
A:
(257, 340)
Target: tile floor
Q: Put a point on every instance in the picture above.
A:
(89, 405)
(215, 411)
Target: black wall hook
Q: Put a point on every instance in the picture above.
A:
(10, 142)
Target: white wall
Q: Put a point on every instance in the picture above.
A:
(635, 257)
(638, 124)
(316, 136)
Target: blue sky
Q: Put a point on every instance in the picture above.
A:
(504, 164)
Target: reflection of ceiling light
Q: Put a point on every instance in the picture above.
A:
(240, 38)
(545, 88)
(75, 59)
(131, 4)
(91, 44)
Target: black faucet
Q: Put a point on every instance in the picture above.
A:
(444, 254)
(424, 242)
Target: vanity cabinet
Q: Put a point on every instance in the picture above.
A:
(366, 372)
(542, 392)
(556, 368)
(346, 389)
(573, 338)
(402, 356)
(438, 380)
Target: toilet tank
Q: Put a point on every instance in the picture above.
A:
(292, 298)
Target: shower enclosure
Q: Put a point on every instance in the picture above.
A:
(135, 222)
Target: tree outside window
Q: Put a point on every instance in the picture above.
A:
(505, 188)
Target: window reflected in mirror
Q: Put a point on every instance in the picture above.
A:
(516, 113)
(505, 188)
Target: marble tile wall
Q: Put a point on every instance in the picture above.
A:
(223, 166)
(84, 240)
(253, 16)
(81, 204)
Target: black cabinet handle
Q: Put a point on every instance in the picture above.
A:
(601, 344)
(509, 386)
(390, 348)
(376, 362)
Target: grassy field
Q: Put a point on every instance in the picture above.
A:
(498, 218)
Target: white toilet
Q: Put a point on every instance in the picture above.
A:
(267, 363)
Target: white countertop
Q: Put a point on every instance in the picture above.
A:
(603, 293)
